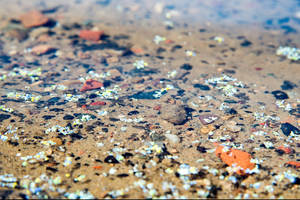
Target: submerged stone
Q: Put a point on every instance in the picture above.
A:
(287, 128)
(280, 95)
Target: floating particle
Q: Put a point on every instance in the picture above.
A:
(158, 39)
(290, 52)
(219, 39)
(140, 64)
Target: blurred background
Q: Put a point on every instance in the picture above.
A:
(269, 14)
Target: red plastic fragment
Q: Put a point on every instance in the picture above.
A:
(293, 164)
(98, 103)
(286, 150)
(91, 35)
(91, 84)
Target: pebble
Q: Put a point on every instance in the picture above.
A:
(57, 141)
(33, 18)
(174, 139)
(35, 33)
(287, 128)
(174, 114)
(207, 129)
(111, 159)
(41, 49)
(68, 117)
(208, 119)
(287, 85)
(90, 35)
(280, 94)
(186, 66)
(19, 34)
(232, 126)
(201, 87)
(4, 117)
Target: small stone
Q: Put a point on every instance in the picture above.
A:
(201, 87)
(232, 126)
(33, 18)
(201, 149)
(175, 114)
(231, 111)
(288, 85)
(246, 43)
(280, 95)
(186, 66)
(4, 117)
(208, 119)
(287, 128)
(111, 159)
(174, 139)
(68, 117)
(57, 141)
(19, 34)
(41, 49)
(90, 35)
(207, 129)
(35, 33)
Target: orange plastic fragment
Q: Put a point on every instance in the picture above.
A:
(293, 163)
(90, 35)
(98, 167)
(235, 157)
(91, 84)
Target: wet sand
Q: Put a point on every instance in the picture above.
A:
(141, 133)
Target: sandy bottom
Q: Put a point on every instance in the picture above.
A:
(147, 141)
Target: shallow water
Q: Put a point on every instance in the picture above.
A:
(139, 111)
